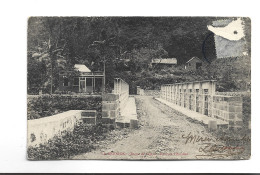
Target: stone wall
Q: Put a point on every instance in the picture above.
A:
(110, 108)
(43, 129)
(229, 109)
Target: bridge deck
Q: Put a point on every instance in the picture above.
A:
(128, 112)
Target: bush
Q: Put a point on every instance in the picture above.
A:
(81, 140)
(47, 105)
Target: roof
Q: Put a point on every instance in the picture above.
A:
(188, 82)
(81, 68)
(165, 61)
(193, 58)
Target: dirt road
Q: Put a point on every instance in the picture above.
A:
(163, 134)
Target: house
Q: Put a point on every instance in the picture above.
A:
(194, 64)
(83, 81)
(164, 62)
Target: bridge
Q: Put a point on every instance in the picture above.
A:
(118, 108)
(198, 100)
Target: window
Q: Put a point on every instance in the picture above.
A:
(198, 65)
(76, 81)
(89, 81)
(65, 81)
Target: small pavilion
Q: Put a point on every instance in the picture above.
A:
(85, 81)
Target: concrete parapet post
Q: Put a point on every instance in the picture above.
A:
(228, 108)
(212, 125)
(89, 117)
(110, 108)
(133, 124)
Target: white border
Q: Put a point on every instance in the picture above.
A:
(14, 15)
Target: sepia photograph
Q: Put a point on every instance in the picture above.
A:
(138, 88)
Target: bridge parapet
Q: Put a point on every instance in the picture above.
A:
(43, 129)
(122, 89)
(199, 96)
(114, 103)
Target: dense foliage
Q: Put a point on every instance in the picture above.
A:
(81, 140)
(47, 105)
(126, 45)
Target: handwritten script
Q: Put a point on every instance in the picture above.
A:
(219, 151)
(217, 147)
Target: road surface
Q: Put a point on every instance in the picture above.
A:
(163, 134)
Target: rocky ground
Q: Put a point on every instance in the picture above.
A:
(164, 133)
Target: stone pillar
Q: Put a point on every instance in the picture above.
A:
(235, 112)
(110, 108)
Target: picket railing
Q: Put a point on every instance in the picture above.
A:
(200, 97)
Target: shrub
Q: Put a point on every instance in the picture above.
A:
(47, 105)
(81, 140)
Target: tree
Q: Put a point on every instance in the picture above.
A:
(105, 47)
(51, 52)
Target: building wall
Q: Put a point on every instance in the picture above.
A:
(61, 84)
(92, 84)
(191, 65)
(162, 66)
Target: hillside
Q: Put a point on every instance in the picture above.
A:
(59, 43)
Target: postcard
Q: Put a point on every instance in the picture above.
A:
(139, 88)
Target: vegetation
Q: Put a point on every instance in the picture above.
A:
(126, 46)
(81, 140)
(47, 105)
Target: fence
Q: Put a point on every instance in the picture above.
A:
(200, 97)
(122, 89)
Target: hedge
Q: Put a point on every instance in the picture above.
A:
(47, 105)
(81, 140)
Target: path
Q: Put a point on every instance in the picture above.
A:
(160, 136)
